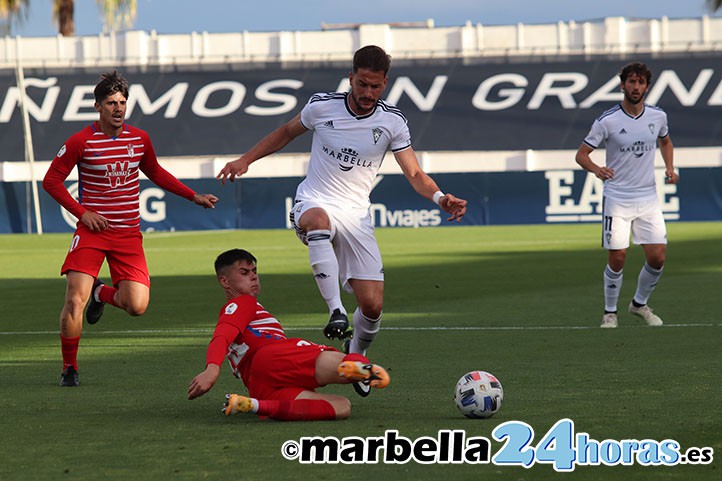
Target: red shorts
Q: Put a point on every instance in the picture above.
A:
(124, 251)
(284, 369)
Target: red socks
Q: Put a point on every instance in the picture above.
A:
(107, 294)
(69, 348)
(297, 410)
(356, 358)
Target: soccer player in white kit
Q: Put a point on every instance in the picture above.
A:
(352, 132)
(631, 132)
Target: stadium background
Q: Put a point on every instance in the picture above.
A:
(496, 113)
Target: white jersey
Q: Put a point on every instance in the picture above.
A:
(347, 149)
(631, 144)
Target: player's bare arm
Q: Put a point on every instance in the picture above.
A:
(271, 143)
(585, 161)
(207, 201)
(425, 185)
(667, 150)
(204, 381)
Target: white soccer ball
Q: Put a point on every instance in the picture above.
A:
(478, 394)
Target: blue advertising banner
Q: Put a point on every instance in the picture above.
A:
(553, 196)
(450, 105)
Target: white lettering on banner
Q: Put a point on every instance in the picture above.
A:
(669, 79)
(200, 108)
(510, 96)
(152, 210)
(42, 113)
(404, 85)
(79, 101)
(383, 217)
(547, 88)
(264, 92)
(173, 98)
(498, 92)
(586, 206)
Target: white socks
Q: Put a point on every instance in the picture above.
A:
(647, 281)
(612, 287)
(325, 267)
(364, 332)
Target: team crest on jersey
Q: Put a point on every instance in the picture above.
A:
(131, 150)
(377, 134)
(62, 151)
(651, 128)
(231, 308)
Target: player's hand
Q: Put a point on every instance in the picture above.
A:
(232, 170)
(94, 221)
(207, 201)
(204, 381)
(605, 173)
(671, 177)
(454, 206)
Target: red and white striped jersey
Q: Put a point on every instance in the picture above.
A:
(244, 326)
(109, 174)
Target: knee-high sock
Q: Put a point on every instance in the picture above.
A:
(106, 294)
(364, 332)
(69, 350)
(325, 267)
(646, 282)
(297, 410)
(612, 287)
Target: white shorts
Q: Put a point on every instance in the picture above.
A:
(644, 219)
(352, 236)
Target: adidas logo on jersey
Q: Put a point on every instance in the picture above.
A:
(623, 131)
(329, 124)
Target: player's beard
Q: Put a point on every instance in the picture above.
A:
(361, 110)
(629, 98)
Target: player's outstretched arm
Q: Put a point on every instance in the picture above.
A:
(207, 201)
(426, 187)
(271, 143)
(204, 381)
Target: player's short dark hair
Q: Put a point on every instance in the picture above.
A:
(636, 68)
(110, 83)
(372, 58)
(228, 258)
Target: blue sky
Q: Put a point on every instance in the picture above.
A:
(184, 16)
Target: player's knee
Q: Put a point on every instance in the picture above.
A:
(656, 262)
(136, 309)
(75, 304)
(372, 310)
(342, 408)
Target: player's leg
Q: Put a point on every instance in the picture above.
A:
(367, 316)
(333, 367)
(650, 231)
(316, 230)
(305, 406)
(77, 292)
(616, 225)
(129, 272)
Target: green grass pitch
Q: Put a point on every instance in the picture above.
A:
(523, 302)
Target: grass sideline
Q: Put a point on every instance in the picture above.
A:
(523, 302)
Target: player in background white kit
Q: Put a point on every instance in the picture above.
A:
(631, 132)
(352, 131)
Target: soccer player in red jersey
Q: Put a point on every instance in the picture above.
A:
(281, 374)
(109, 155)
